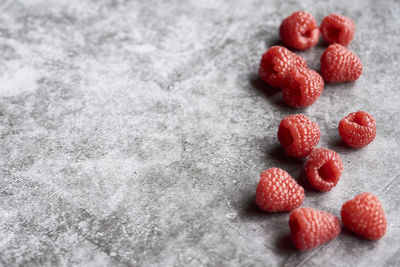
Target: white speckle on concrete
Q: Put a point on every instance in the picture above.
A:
(17, 79)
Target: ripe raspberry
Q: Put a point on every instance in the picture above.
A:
(339, 64)
(357, 129)
(298, 135)
(302, 87)
(277, 191)
(323, 169)
(364, 216)
(311, 228)
(337, 29)
(299, 30)
(276, 63)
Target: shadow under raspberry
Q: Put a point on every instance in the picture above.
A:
(284, 245)
(302, 180)
(272, 94)
(247, 208)
(274, 41)
(277, 157)
(257, 83)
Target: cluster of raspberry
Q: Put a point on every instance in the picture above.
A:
(277, 191)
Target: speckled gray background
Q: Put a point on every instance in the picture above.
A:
(134, 132)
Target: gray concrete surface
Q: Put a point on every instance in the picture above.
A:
(133, 133)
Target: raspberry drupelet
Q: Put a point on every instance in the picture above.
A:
(299, 31)
(357, 129)
(323, 169)
(337, 29)
(276, 63)
(277, 191)
(310, 227)
(298, 135)
(302, 87)
(338, 64)
(364, 215)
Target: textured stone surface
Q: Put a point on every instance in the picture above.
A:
(134, 133)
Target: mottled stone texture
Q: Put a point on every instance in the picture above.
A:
(134, 132)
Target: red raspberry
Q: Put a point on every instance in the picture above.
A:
(302, 87)
(276, 63)
(339, 64)
(364, 216)
(357, 129)
(311, 228)
(323, 169)
(299, 30)
(337, 29)
(298, 135)
(278, 191)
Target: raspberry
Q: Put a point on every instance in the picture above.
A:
(278, 191)
(298, 135)
(299, 31)
(339, 64)
(364, 216)
(302, 87)
(276, 63)
(323, 169)
(311, 228)
(357, 129)
(337, 29)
